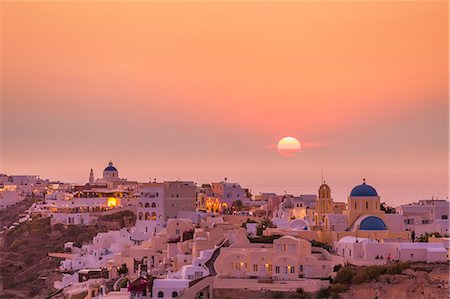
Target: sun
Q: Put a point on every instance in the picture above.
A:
(288, 146)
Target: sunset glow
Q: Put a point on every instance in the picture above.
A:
(288, 146)
(141, 82)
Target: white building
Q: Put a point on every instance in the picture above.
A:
(370, 250)
(150, 210)
(426, 216)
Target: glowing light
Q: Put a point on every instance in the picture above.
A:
(112, 202)
(288, 146)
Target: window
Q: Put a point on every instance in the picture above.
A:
(153, 205)
(174, 294)
(147, 216)
(140, 216)
(141, 205)
(160, 294)
(292, 269)
(277, 269)
(444, 216)
(269, 267)
(255, 267)
(355, 205)
(301, 268)
(147, 205)
(367, 205)
(177, 231)
(153, 216)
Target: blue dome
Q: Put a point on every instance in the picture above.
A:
(372, 223)
(110, 168)
(364, 190)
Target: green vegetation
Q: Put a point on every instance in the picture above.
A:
(321, 245)
(299, 294)
(265, 223)
(123, 283)
(238, 205)
(424, 237)
(24, 256)
(348, 275)
(188, 235)
(120, 217)
(387, 209)
(123, 269)
(264, 239)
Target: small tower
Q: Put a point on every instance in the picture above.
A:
(324, 201)
(324, 204)
(91, 177)
(110, 173)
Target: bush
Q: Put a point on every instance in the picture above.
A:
(337, 267)
(264, 239)
(368, 273)
(188, 235)
(123, 269)
(123, 283)
(59, 227)
(338, 288)
(323, 293)
(344, 276)
(397, 268)
(321, 245)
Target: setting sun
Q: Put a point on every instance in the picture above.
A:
(288, 146)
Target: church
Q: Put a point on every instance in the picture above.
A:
(362, 218)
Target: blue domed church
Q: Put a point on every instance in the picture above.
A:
(364, 211)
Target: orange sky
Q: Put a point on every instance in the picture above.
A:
(199, 90)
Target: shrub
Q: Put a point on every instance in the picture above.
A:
(264, 239)
(338, 288)
(397, 268)
(123, 269)
(344, 275)
(337, 267)
(368, 274)
(323, 293)
(123, 283)
(59, 227)
(188, 235)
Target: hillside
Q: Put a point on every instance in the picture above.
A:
(25, 268)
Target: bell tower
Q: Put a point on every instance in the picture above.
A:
(324, 204)
(91, 177)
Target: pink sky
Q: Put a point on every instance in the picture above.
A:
(198, 90)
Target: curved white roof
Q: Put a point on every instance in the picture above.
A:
(351, 239)
(298, 223)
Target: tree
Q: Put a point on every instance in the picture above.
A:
(123, 269)
(238, 205)
(387, 209)
(265, 223)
